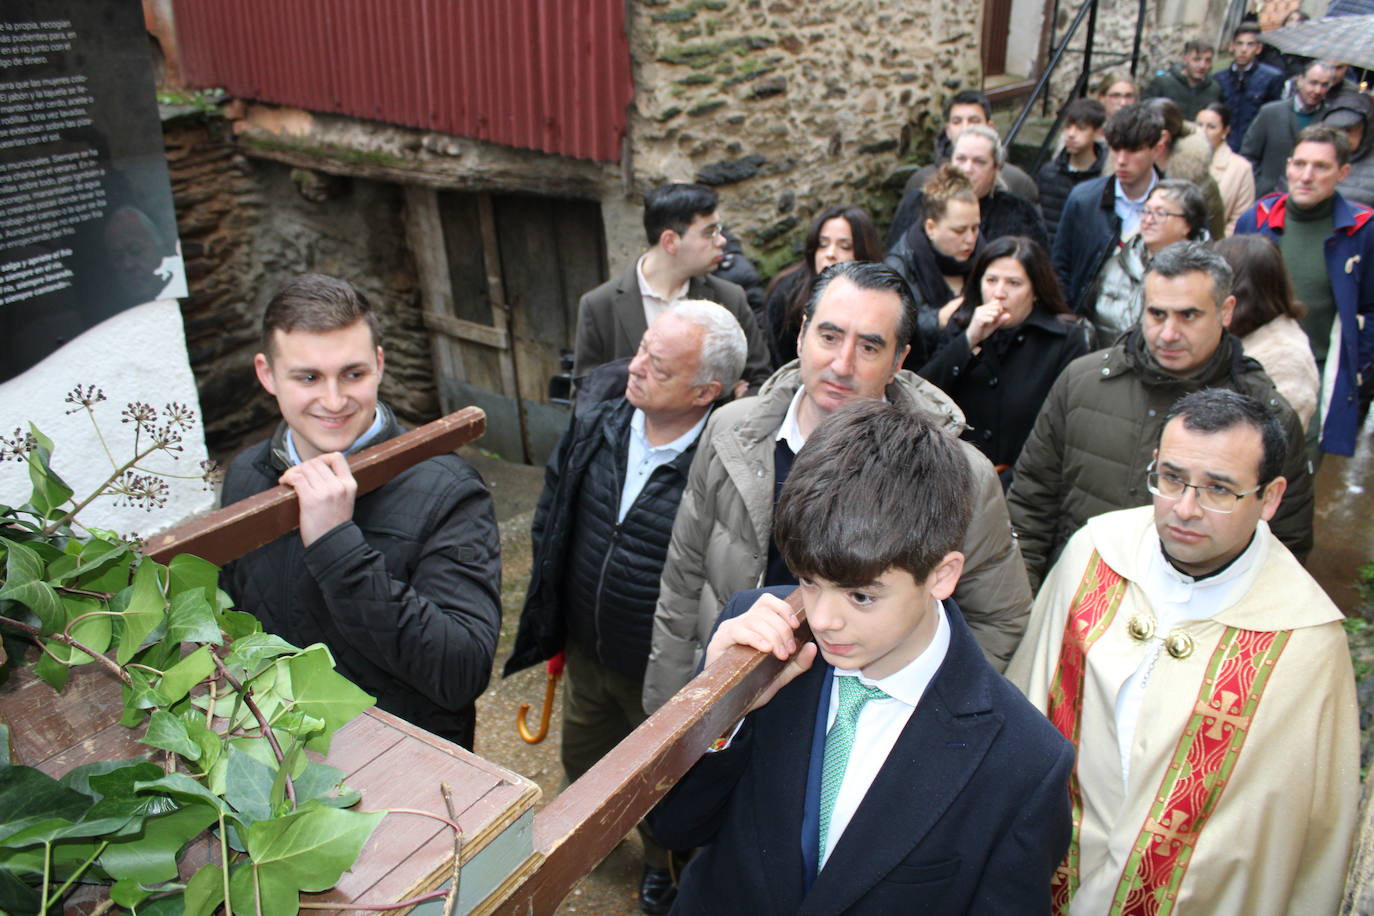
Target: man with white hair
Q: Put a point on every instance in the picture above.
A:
(979, 154)
(601, 533)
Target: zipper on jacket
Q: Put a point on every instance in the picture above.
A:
(600, 587)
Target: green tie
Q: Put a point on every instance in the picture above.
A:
(838, 743)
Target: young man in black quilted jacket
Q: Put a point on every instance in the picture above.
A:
(1080, 160)
(403, 584)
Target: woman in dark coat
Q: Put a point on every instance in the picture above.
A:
(839, 233)
(1005, 345)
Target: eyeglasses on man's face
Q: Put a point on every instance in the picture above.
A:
(1211, 497)
(1153, 213)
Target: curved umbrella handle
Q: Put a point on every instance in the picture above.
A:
(554, 669)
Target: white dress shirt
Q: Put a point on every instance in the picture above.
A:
(654, 304)
(1129, 209)
(880, 723)
(642, 458)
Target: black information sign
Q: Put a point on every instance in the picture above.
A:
(87, 227)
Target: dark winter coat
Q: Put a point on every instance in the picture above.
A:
(1349, 254)
(595, 580)
(406, 595)
(914, 259)
(1268, 143)
(1057, 179)
(1001, 388)
(1098, 429)
(1088, 233)
(1174, 85)
(1244, 94)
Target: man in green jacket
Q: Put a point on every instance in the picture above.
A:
(1190, 86)
(1097, 429)
(853, 339)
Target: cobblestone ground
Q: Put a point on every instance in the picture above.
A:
(611, 890)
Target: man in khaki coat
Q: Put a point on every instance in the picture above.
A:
(851, 345)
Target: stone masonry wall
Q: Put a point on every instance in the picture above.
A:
(246, 225)
(788, 106)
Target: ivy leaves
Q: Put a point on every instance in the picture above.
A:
(227, 713)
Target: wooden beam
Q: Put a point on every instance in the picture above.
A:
(579, 828)
(459, 328)
(425, 238)
(232, 531)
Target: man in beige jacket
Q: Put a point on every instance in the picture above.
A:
(853, 339)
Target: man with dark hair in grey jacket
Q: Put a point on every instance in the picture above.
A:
(403, 584)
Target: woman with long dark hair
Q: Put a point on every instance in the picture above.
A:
(1005, 345)
(1266, 319)
(839, 233)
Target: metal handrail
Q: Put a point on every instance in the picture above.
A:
(1087, 11)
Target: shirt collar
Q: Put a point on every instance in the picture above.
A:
(678, 445)
(1121, 192)
(376, 427)
(646, 290)
(789, 431)
(910, 683)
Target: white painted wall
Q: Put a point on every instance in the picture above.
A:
(138, 355)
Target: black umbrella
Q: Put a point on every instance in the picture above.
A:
(1348, 39)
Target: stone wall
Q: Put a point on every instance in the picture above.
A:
(788, 106)
(247, 224)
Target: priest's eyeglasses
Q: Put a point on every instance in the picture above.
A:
(1211, 497)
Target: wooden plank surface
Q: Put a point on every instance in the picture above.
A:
(579, 828)
(234, 530)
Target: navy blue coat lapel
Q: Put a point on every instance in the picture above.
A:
(811, 814)
(932, 762)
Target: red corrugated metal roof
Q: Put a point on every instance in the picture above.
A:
(548, 75)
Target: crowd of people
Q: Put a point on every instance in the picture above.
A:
(1061, 428)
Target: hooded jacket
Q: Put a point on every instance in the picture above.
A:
(1349, 254)
(406, 594)
(1358, 186)
(725, 521)
(1098, 430)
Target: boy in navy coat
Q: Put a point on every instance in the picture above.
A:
(897, 772)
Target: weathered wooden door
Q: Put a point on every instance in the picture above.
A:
(502, 274)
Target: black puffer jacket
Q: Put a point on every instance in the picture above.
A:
(1056, 180)
(595, 580)
(1000, 213)
(407, 595)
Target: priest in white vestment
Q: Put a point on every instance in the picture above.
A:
(1205, 679)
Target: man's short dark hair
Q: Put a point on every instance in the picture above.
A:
(876, 488)
(1085, 113)
(869, 275)
(969, 97)
(1198, 46)
(1325, 133)
(1215, 410)
(1134, 127)
(674, 206)
(1188, 257)
(1249, 26)
(316, 303)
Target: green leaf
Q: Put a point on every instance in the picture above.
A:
(127, 893)
(144, 612)
(248, 786)
(313, 846)
(169, 733)
(4, 744)
(150, 857)
(179, 785)
(28, 796)
(324, 693)
(324, 783)
(265, 893)
(191, 572)
(93, 631)
(113, 777)
(178, 680)
(205, 891)
(210, 741)
(16, 896)
(238, 624)
(24, 583)
(49, 490)
(250, 654)
(192, 620)
(53, 672)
